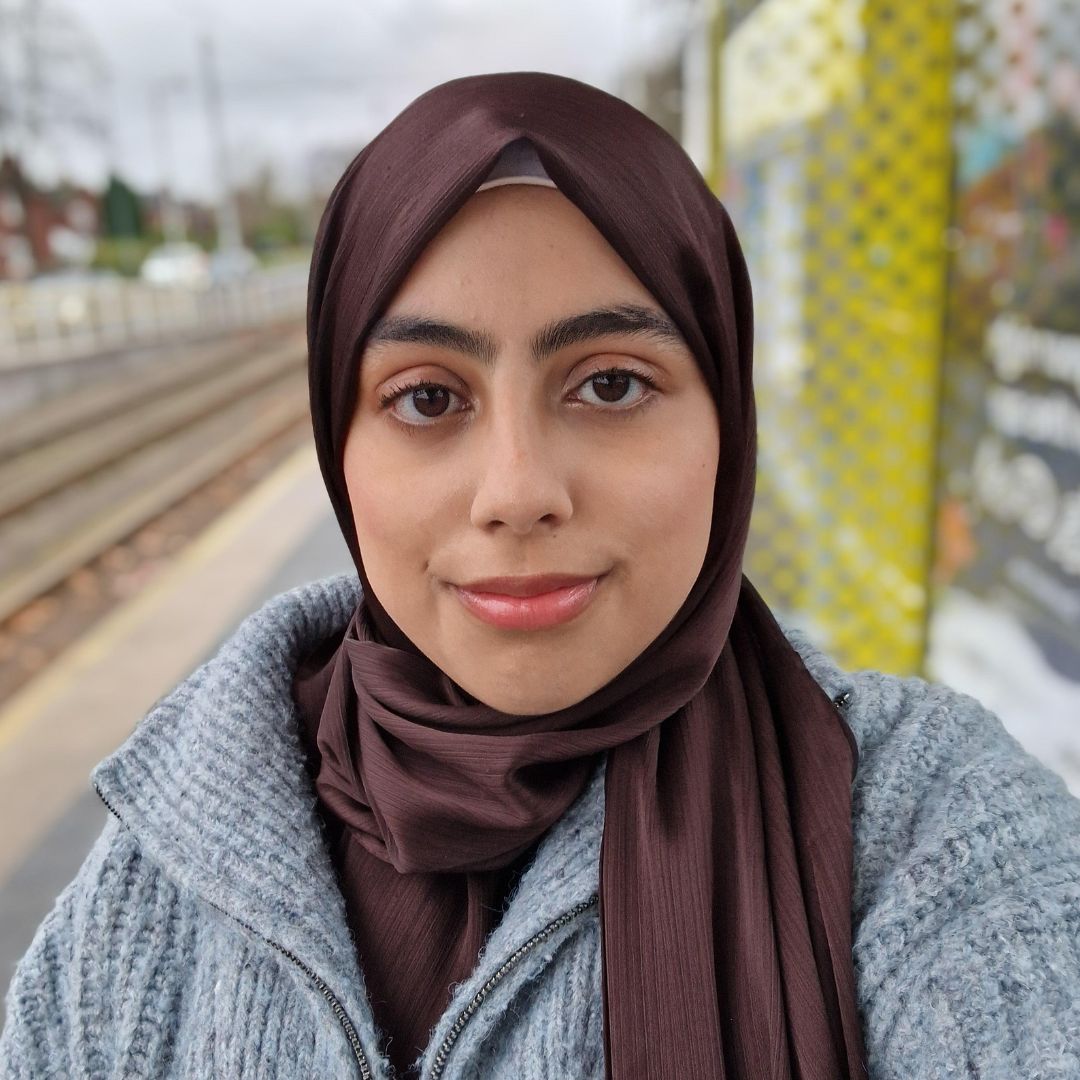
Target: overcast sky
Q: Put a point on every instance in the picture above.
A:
(303, 75)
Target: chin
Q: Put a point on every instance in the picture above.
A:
(519, 699)
(531, 678)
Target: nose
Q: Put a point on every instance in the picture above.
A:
(521, 475)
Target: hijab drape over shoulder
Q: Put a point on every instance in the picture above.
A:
(725, 895)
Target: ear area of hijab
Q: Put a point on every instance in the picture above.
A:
(518, 163)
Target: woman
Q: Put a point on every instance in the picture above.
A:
(548, 792)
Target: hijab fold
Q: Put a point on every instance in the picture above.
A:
(725, 877)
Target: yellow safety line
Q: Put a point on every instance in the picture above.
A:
(27, 703)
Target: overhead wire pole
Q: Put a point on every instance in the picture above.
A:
(228, 217)
(173, 224)
(26, 112)
(32, 77)
(717, 30)
(7, 87)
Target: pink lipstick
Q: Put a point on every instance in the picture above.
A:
(528, 603)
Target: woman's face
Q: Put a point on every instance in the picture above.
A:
(527, 409)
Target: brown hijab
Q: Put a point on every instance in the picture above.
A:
(725, 878)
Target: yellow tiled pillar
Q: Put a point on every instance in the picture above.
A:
(837, 171)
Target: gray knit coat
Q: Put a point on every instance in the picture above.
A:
(205, 935)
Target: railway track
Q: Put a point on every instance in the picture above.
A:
(81, 472)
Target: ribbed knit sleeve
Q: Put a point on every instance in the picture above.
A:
(37, 1036)
(46, 1003)
(96, 993)
(967, 894)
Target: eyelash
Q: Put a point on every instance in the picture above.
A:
(394, 393)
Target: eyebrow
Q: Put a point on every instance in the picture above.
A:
(624, 320)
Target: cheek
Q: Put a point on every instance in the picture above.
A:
(395, 510)
(367, 480)
(667, 493)
(377, 517)
(666, 506)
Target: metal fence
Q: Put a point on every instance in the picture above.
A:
(46, 321)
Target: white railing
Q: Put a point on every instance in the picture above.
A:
(46, 321)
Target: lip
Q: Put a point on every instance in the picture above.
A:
(528, 603)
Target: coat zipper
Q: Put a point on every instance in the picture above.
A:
(327, 993)
(515, 958)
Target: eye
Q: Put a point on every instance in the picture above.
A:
(616, 386)
(419, 404)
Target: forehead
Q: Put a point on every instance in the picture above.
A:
(514, 250)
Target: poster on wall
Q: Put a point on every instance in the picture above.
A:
(1005, 618)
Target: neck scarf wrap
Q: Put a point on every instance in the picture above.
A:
(726, 862)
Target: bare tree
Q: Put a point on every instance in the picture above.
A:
(54, 81)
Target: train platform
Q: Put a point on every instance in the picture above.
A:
(56, 728)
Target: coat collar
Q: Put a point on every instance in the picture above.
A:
(213, 785)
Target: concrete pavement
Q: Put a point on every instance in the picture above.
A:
(58, 727)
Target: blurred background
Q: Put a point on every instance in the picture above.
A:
(905, 179)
